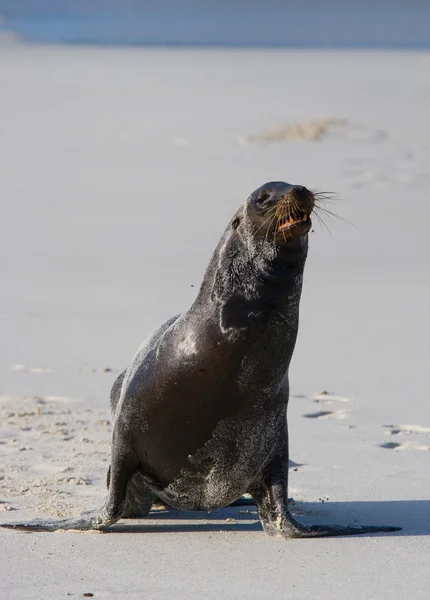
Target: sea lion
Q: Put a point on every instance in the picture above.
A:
(200, 414)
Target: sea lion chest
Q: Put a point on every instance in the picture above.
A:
(208, 415)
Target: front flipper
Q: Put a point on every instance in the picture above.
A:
(90, 520)
(270, 495)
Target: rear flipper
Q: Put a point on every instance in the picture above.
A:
(270, 495)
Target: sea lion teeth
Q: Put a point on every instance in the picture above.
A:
(284, 225)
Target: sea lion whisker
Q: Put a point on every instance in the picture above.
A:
(330, 213)
(267, 214)
(321, 222)
(264, 222)
(284, 232)
(273, 228)
(296, 210)
(325, 196)
(270, 209)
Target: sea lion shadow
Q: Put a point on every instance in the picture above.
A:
(413, 516)
(222, 519)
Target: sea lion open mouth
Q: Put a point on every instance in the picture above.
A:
(289, 222)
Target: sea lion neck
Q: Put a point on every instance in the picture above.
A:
(250, 282)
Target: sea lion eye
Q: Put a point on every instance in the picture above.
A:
(263, 196)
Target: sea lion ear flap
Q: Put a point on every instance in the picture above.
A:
(238, 218)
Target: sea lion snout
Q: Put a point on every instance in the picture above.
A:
(300, 199)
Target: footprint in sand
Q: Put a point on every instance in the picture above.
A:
(326, 398)
(405, 446)
(327, 414)
(408, 430)
(390, 445)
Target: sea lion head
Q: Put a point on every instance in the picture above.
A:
(261, 255)
(280, 212)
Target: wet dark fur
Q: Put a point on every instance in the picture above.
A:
(200, 414)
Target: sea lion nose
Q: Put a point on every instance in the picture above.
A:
(300, 195)
(299, 190)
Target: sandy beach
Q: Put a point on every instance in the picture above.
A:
(119, 170)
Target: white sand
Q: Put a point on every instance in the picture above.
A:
(119, 169)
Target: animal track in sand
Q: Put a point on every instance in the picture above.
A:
(329, 398)
(326, 398)
(423, 443)
(406, 429)
(326, 414)
(405, 446)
